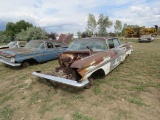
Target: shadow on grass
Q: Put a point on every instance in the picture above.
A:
(57, 86)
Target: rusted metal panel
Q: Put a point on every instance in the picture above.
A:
(90, 60)
(65, 38)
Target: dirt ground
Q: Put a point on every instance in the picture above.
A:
(129, 92)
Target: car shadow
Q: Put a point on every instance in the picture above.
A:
(57, 86)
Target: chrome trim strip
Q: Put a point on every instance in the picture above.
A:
(8, 63)
(62, 80)
(33, 56)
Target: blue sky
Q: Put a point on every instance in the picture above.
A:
(63, 16)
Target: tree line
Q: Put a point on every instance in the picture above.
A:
(99, 27)
(23, 30)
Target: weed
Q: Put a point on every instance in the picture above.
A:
(79, 116)
(34, 98)
(6, 113)
(45, 108)
(121, 114)
(58, 118)
(5, 99)
(96, 90)
(137, 101)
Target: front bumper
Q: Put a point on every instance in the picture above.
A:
(144, 40)
(62, 80)
(9, 63)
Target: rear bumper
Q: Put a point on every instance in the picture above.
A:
(9, 63)
(62, 80)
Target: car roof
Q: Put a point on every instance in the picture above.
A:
(100, 38)
(46, 40)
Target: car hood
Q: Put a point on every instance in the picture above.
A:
(4, 46)
(15, 51)
(65, 38)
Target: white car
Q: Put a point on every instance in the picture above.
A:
(14, 44)
(146, 38)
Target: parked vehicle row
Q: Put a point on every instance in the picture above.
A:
(77, 63)
(35, 51)
(86, 57)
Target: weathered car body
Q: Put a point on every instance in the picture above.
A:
(85, 57)
(146, 38)
(35, 51)
(14, 44)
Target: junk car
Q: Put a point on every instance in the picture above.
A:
(146, 38)
(35, 51)
(14, 44)
(85, 57)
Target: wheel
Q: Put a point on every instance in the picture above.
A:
(89, 85)
(25, 64)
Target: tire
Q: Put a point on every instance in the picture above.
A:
(89, 85)
(25, 64)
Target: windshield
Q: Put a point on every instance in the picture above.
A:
(94, 44)
(35, 44)
(12, 44)
(145, 36)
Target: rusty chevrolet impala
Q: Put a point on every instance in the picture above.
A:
(86, 57)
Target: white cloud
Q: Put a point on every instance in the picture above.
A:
(71, 15)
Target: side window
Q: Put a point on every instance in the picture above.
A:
(49, 45)
(116, 42)
(63, 45)
(57, 44)
(111, 44)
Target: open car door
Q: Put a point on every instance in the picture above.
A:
(65, 38)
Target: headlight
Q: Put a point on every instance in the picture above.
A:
(12, 60)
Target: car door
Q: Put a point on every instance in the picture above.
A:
(50, 52)
(115, 52)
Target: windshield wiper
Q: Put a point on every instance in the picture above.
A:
(90, 50)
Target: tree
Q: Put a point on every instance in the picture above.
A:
(22, 25)
(118, 27)
(103, 23)
(32, 33)
(91, 24)
(123, 30)
(132, 26)
(14, 28)
(79, 34)
(52, 35)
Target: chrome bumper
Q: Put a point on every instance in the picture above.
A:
(62, 80)
(9, 63)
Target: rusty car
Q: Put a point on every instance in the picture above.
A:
(14, 44)
(35, 51)
(85, 57)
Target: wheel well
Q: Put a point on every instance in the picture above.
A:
(31, 61)
(98, 74)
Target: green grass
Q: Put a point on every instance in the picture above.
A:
(137, 101)
(6, 113)
(58, 118)
(45, 108)
(3, 44)
(130, 91)
(80, 116)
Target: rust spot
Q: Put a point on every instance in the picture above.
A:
(65, 38)
(83, 63)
